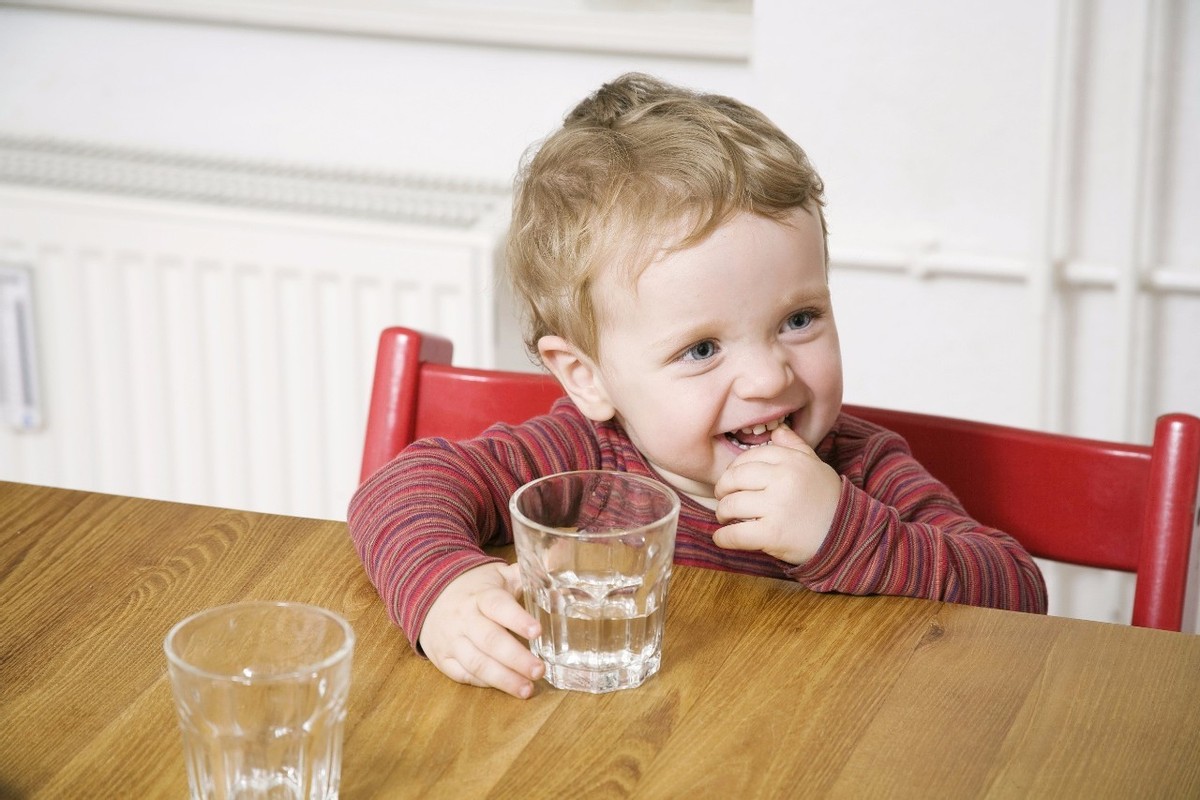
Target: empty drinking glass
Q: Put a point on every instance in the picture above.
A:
(261, 689)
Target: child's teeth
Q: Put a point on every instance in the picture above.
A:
(762, 427)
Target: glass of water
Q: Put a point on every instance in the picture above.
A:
(595, 550)
(261, 690)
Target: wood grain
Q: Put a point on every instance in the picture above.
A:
(766, 689)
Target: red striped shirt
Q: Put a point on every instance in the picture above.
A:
(423, 519)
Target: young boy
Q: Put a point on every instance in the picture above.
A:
(670, 249)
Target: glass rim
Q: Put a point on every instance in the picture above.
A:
(343, 651)
(657, 485)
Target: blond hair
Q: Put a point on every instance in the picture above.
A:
(638, 167)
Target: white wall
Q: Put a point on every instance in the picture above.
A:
(931, 122)
(1013, 187)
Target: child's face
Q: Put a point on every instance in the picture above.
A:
(734, 333)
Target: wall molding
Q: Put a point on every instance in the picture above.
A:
(704, 29)
(929, 262)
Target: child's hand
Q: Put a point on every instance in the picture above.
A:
(779, 499)
(466, 632)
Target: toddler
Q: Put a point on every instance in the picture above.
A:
(670, 250)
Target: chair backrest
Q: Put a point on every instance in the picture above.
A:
(417, 394)
(1081, 501)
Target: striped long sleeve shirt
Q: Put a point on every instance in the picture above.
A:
(424, 519)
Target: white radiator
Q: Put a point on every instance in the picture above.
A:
(205, 330)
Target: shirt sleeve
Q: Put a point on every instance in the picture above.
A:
(424, 518)
(900, 531)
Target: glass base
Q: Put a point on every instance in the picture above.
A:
(579, 679)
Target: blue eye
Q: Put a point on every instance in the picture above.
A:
(700, 351)
(800, 320)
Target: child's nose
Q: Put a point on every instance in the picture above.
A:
(764, 374)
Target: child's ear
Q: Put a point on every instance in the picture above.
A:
(578, 376)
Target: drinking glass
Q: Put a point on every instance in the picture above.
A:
(260, 689)
(595, 550)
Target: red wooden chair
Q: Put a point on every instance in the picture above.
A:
(1080, 501)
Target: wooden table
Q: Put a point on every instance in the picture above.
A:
(766, 689)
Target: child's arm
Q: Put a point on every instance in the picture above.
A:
(902, 532)
(420, 525)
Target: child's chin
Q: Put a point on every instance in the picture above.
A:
(702, 486)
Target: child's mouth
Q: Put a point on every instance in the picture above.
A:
(756, 435)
